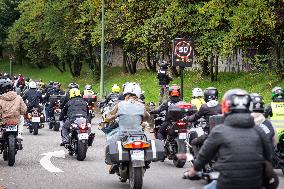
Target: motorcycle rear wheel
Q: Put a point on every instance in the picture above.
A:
(178, 163)
(82, 150)
(135, 177)
(56, 126)
(35, 127)
(11, 150)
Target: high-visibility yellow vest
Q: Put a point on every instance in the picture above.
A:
(277, 118)
(197, 102)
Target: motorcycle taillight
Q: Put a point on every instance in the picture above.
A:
(181, 124)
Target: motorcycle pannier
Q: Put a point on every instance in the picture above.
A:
(156, 152)
(116, 154)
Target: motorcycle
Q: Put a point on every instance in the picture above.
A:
(35, 120)
(91, 100)
(80, 138)
(9, 145)
(131, 156)
(54, 120)
(175, 143)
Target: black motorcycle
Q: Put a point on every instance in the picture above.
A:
(80, 138)
(55, 100)
(131, 156)
(35, 120)
(175, 143)
(9, 145)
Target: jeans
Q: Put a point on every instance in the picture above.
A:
(212, 185)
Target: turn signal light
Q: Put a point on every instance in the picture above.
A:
(136, 145)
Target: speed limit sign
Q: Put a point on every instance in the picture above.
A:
(182, 52)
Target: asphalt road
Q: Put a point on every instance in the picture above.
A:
(28, 173)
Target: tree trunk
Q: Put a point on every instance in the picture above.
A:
(205, 68)
(1, 53)
(211, 68)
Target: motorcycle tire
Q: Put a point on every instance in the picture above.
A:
(50, 125)
(35, 127)
(56, 126)
(178, 163)
(11, 150)
(82, 150)
(135, 177)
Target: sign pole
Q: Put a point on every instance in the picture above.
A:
(102, 51)
(181, 80)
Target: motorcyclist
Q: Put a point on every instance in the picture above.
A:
(75, 107)
(32, 97)
(67, 95)
(174, 94)
(12, 106)
(164, 79)
(210, 108)
(275, 110)
(115, 90)
(241, 147)
(121, 96)
(88, 90)
(131, 113)
(257, 109)
(49, 105)
(197, 97)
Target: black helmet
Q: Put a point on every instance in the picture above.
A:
(210, 93)
(6, 85)
(164, 64)
(73, 85)
(257, 104)
(236, 101)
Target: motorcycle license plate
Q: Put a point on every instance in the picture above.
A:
(182, 135)
(137, 155)
(36, 119)
(83, 136)
(11, 128)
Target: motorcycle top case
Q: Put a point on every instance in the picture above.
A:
(117, 153)
(156, 152)
(180, 110)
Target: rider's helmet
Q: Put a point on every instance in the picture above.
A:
(164, 64)
(132, 89)
(257, 104)
(74, 92)
(88, 87)
(277, 93)
(115, 88)
(27, 79)
(210, 93)
(197, 92)
(174, 90)
(236, 101)
(32, 85)
(6, 85)
(73, 85)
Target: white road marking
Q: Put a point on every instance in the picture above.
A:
(46, 163)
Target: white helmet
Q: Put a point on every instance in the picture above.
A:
(32, 85)
(132, 88)
(197, 92)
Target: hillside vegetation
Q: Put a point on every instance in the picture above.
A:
(253, 82)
